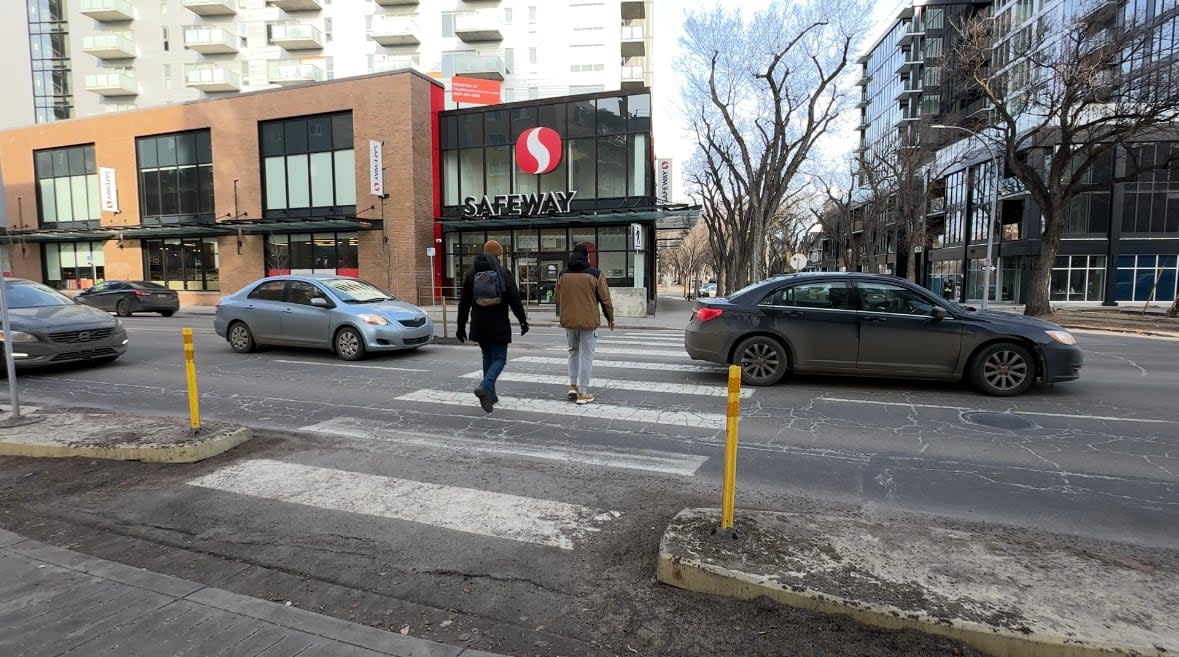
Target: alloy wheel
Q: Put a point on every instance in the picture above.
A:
(347, 344)
(1005, 370)
(239, 338)
(760, 361)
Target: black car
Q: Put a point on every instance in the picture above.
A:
(874, 325)
(126, 297)
(49, 328)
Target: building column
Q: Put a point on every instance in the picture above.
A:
(1114, 232)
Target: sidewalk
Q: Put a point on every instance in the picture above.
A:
(58, 601)
(1009, 597)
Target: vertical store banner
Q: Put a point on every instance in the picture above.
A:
(108, 192)
(663, 181)
(376, 163)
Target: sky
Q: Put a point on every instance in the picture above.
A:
(672, 138)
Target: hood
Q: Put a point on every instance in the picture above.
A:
(74, 316)
(394, 310)
(1014, 319)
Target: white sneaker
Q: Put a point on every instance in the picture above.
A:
(584, 398)
(572, 394)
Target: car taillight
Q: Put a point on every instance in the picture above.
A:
(142, 293)
(705, 314)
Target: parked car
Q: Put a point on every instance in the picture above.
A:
(126, 297)
(49, 328)
(708, 289)
(348, 316)
(874, 325)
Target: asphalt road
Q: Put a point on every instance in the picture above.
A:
(379, 491)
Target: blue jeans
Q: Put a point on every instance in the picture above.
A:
(495, 356)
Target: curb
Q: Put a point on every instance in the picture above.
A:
(700, 577)
(187, 453)
(1120, 329)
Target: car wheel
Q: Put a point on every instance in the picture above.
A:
(1005, 369)
(123, 308)
(241, 339)
(349, 344)
(167, 313)
(763, 361)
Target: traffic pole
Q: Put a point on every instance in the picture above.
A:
(729, 491)
(194, 406)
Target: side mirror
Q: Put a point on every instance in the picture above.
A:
(939, 313)
(319, 302)
(88, 290)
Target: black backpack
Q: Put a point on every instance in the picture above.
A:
(488, 288)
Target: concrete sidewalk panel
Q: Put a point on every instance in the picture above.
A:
(8, 538)
(1009, 598)
(108, 570)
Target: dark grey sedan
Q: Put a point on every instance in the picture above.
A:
(49, 328)
(126, 297)
(346, 315)
(872, 325)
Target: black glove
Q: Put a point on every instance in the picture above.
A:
(523, 329)
(461, 334)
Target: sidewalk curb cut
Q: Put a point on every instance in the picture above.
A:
(694, 575)
(189, 453)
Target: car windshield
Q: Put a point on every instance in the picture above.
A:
(34, 295)
(354, 291)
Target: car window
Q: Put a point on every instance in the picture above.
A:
(34, 295)
(889, 298)
(101, 287)
(148, 285)
(302, 293)
(827, 295)
(351, 290)
(120, 286)
(268, 291)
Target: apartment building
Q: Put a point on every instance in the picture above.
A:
(87, 57)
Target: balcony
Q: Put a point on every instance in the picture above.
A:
(109, 45)
(397, 3)
(633, 9)
(478, 27)
(633, 73)
(112, 84)
(288, 73)
(864, 101)
(937, 205)
(291, 35)
(634, 42)
(910, 89)
(394, 63)
(487, 67)
(296, 5)
(914, 33)
(911, 60)
(211, 77)
(211, 40)
(211, 7)
(108, 11)
(395, 31)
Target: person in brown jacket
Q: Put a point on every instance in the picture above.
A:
(581, 291)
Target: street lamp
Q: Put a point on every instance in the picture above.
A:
(994, 207)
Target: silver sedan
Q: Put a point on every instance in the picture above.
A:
(346, 315)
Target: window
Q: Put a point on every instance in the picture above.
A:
(48, 32)
(167, 76)
(1078, 278)
(507, 15)
(532, 14)
(73, 265)
(309, 166)
(165, 30)
(822, 294)
(268, 291)
(67, 185)
(448, 23)
(176, 178)
(894, 299)
(302, 293)
(313, 253)
(1141, 278)
(190, 263)
(532, 56)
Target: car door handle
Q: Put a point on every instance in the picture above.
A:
(878, 320)
(795, 313)
(287, 310)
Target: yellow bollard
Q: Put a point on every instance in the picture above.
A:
(194, 406)
(729, 492)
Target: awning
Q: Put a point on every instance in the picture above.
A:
(300, 225)
(161, 231)
(663, 217)
(45, 236)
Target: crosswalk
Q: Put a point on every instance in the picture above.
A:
(644, 382)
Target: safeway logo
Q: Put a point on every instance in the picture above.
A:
(538, 150)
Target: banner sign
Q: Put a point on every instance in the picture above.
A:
(475, 90)
(107, 191)
(375, 164)
(663, 181)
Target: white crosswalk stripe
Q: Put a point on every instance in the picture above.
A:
(627, 351)
(633, 459)
(719, 390)
(487, 513)
(596, 410)
(625, 364)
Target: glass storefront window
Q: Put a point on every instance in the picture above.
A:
(522, 119)
(582, 163)
(496, 125)
(611, 116)
(313, 253)
(450, 178)
(612, 158)
(638, 165)
(581, 116)
(499, 170)
(190, 263)
(73, 265)
(553, 240)
(1077, 278)
(526, 241)
(555, 180)
(504, 239)
(613, 267)
(472, 243)
(638, 107)
(612, 238)
(583, 236)
(471, 172)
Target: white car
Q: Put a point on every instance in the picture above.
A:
(708, 289)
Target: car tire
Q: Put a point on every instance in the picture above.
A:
(1003, 369)
(763, 361)
(349, 344)
(167, 313)
(123, 308)
(240, 338)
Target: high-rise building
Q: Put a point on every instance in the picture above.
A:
(88, 57)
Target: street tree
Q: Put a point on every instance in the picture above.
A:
(1068, 94)
(760, 89)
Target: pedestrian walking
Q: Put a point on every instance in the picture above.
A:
(487, 294)
(581, 291)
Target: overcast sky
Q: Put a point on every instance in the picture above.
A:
(672, 139)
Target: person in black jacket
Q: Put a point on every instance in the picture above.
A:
(490, 326)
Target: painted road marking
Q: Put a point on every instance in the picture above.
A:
(499, 515)
(626, 364)
(623, 351)
(330, 363)
(595, 410)
(648, 460)
(719, 390)
(1011, 412)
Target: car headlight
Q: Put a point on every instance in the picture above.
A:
(375, 320)
(20, 336)
(1063, 337)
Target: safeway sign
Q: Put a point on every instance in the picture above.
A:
(376, 175)
(663, 181)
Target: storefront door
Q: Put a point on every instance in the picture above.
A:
(550, 270)
(526, 278)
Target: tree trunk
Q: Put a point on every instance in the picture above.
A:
(1038, 284)
(1174, 311)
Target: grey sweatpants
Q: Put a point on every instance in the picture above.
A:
(581, 356)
